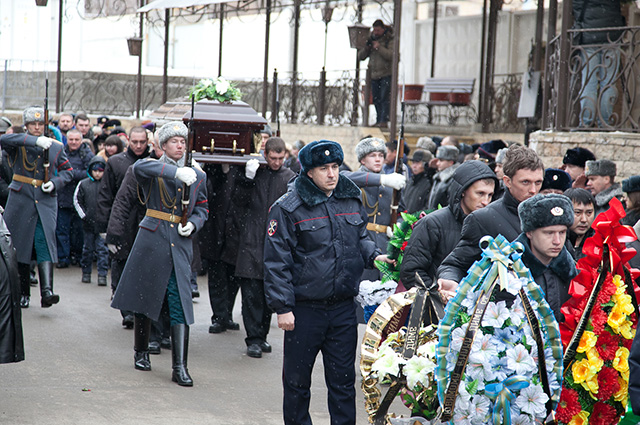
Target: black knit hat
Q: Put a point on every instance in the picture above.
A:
(545, 210)
(632, 184)
(578, 156)
(556, 179)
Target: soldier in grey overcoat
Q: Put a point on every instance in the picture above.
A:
(32, 206)
(158, 269)
(377, 191)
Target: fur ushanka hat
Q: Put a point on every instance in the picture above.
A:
(545, 210)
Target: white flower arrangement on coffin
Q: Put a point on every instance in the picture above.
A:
(502, 382)
(215, 89)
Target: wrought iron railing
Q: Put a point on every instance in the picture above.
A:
(598, 89)
(505, 99)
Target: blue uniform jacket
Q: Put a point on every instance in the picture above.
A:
(316, 246)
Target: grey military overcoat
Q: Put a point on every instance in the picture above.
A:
(158, 248)
(26, 202)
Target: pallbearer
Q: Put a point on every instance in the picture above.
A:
(32, 206)
(158, 270)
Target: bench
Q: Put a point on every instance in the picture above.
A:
(451, 93)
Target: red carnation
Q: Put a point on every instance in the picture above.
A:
(598, 320)
(627, 343)
(603, 414)
(569, 406)
(608, 383)
(607, 346)
(404, 245)
(608, 289)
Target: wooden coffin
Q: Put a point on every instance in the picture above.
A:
(225, 133)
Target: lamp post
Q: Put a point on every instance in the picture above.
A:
(43, 3)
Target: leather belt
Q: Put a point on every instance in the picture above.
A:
(163, 216)
(377, 228)
(27, 180)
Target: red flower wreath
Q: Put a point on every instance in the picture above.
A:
(607, 345)
(603, 414)
(608, 384)
(569, 406)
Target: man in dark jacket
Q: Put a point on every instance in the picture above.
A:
(434, 237)
(379, 50)
(523, 175)
(545, 220)
(601, 175)
(69, 226)
(113, 175)
(447, 163)
(584, 213)
(415, 195)
(256, 189)
(600, 58)
(11, 339)
(315, 250)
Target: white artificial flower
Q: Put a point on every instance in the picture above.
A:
(521, 419)
(517, 313)
(427, 350)
(417, 370)
(532, 400)
(520, 361)
(496, 314)
(457, 336)
(514, 284)
(479, 408)
(471, 299)
(222, 86)
(206, 82)
(388, 363)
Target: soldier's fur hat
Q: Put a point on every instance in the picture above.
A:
(601, 167)
(318, 153)
(33, 114)
(171, 129)
(545, 210)
(556, 179)
(578, 156)
(448, 153)
(5, 123)
(426, 143)
(632, 184)
(500, 155)
(369, 145)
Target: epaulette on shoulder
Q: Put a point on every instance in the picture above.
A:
(288, 202)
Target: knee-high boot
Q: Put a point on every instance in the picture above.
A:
(45, 273)
(179, 354)
(25, 287)
(141, 330)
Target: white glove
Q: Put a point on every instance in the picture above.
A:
(103, 236)
(47, 187)
(113, 248)
(225, 168)
(393, 180)
(251, 168)
(389, 232)
(44, 142)
(186, 175)
(186, 230)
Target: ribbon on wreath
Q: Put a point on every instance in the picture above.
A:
(502, 393)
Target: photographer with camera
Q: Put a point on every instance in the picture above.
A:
(379, 50)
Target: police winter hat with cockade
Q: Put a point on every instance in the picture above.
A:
(447, 153)
(369, 145)
(545, 210)
(556, 179)
(33, 114)
(601, 167)
(578, 156)
(172, 129)
(632, 184)
(318, 153)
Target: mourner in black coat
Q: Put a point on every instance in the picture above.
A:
(11, 341)
(435, 235)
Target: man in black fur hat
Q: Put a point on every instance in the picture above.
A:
(574, 162)
(545, 220)
(316, 248)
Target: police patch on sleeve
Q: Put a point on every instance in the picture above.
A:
(273, 226)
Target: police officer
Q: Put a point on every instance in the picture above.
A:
(158, 269)
(32, 205)
(316, 248)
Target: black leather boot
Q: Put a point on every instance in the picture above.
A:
(25, 287)
(141, 332)
(179, 354)
(45, 273)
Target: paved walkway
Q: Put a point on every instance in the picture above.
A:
(79, 370)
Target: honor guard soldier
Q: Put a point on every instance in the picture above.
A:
(316, 248)
(158, 269)
(40, 171)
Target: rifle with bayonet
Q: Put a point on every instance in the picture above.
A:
(188, 159)
(46, 133)
(277, 109)
(395, 199)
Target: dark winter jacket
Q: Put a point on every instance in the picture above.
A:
(440, 189)
(554, 279)
(247, 217)
(380, 61)
(316, 247)
(598, 14)
(577, 249)
(85, 198)
(79, 160)
(113, 175)
(603, 198)
(437, 234)
(499, 217)
(415, 196)
(11, 340)
(632, 217)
